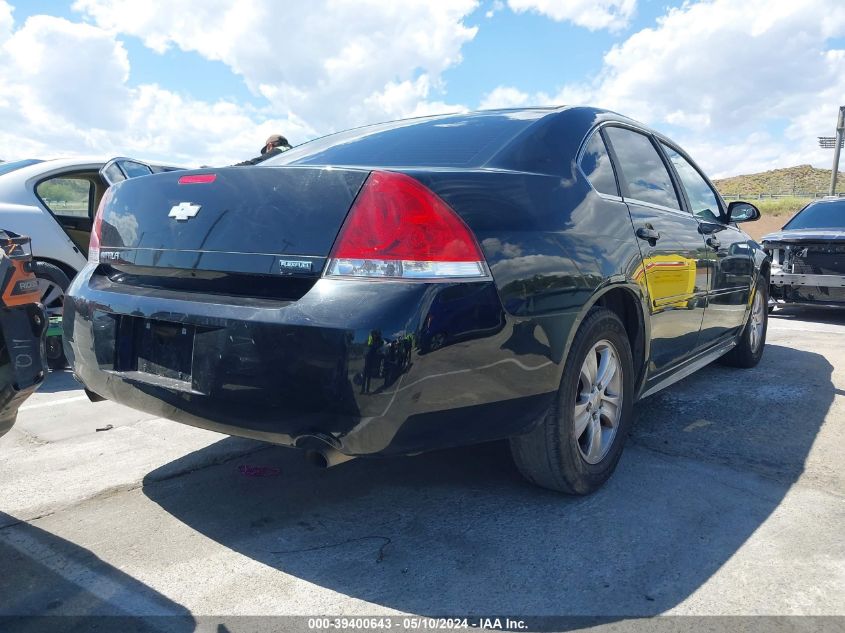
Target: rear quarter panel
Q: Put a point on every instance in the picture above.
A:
(554, 246)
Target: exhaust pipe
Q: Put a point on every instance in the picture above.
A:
(326, 457)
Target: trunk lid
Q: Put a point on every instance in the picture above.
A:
(277, 221)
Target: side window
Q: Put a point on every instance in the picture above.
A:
(595, 163)
(67, 196)
(133, 169)
(702, 199)
(112, 175)
(641, 169)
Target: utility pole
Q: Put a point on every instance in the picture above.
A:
(840, 129)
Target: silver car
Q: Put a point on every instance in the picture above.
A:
(54, 202)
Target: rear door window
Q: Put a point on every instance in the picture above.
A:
(703, 200)
(67, 196)
(596, 165)
(642, 173)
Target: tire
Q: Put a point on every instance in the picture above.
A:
(749, 347)
(56, 359)
(52, 283)
(551, 455)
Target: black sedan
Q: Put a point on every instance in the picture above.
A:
(524, 274)
(808, 256)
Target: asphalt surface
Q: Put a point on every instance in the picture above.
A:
(729, 500)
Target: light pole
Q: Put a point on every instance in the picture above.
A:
(836, 144)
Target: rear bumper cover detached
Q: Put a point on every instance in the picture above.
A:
(366, 367)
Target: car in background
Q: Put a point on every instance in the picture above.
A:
(53, 202)
(524, 274)
(808, 256)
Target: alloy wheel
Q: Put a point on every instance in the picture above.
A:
(52, 296)
(756, 322)
(598, 403)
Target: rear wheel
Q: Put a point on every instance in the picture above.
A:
(52, 285)
(577, 445)
(749, 347)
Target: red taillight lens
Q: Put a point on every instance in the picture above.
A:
(197, 179)
(398, 228)
(96, 229)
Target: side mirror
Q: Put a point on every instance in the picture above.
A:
(742, 212)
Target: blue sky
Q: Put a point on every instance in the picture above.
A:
(744, 84)
(541, 54)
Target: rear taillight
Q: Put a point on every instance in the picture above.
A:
(96, 229)
(399, 229)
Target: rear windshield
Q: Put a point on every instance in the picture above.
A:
(463, 140)
(820, 215)
(5, 168)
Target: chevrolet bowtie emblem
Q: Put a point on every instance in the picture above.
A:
(184, 211)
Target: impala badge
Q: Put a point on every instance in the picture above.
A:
(294, 265)
(184, 211)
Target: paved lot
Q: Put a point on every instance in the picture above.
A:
(730, 499)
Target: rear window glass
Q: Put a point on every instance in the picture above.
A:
(820, 215)
(6, 168)
(452, 141)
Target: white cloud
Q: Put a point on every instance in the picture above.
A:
(506, 97)
(497, 6)
(64, 90)
(335, 63)
(64, 85)
(743, 84)
(725, 77)
(592, 14)
(41, 70)
(6, 21)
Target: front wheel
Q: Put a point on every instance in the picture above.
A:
(752, 340)
(577, 445)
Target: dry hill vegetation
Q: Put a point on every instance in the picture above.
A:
(803, 179)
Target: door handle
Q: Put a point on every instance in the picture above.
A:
(648, 233)
(713, 243)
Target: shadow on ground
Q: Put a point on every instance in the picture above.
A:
(830, 316)
(53, 576)
(459, 532)
(58, 381)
